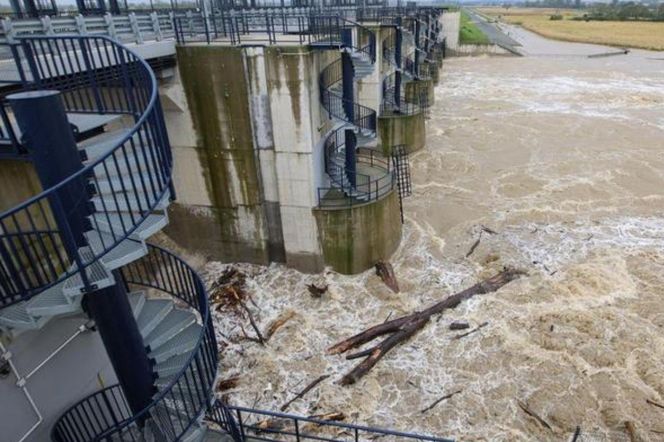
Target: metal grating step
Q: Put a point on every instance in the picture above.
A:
(107, 185)
(175, 322)
(107, 203)
(183, 342)
(91, 122)
(119, 255)
(120, 222)
(53, 302)
(17, 317)
(172, 365)
(122, 202)
(152, 313)
(195, 434)
(136, 301)
(98, 276)
(99, 145)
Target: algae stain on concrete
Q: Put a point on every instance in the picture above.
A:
(354, 239)
(214, 82)
(287, 63)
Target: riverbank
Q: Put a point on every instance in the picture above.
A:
(630, 34)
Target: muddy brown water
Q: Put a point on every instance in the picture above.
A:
(563, 157)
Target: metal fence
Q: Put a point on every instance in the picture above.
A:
(256, 425)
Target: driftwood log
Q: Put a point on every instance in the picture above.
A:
(402, 328)
(306, 390)
(385, 271)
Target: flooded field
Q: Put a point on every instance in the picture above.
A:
(562, 156)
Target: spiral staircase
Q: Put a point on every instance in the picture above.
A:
(122, 190)
(407, 66)
(359, 43)
(87, 233)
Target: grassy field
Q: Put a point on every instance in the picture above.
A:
(645, 35)
(469, 33)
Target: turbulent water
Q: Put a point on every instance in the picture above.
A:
(562, 157)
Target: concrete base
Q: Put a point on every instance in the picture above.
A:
(354, 238)
(407, 130)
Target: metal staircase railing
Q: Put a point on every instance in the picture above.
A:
(367, 188)
(249, 424)
(389, 106)
(175, 409)
(348, 187)
(335, 104)
(95, 75)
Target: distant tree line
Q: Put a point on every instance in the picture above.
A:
(615, 11)
(567, 4)
(624, 11)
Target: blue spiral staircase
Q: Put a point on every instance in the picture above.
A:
(347, 115)
(50, 261)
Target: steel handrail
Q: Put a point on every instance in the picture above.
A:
(149, 128)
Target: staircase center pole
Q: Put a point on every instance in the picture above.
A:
(417, 46)
(347, 83)
(351, 144)
(48, 138)
(119, 332)
(397, 59)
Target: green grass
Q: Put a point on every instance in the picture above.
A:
(469, 33)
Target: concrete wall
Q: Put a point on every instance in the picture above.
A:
(408, 130)
(80, 369)
(370, 88)
(248, 156)
(247, 130)
(451, 22)
(292, 87)
(220, 210)
(18, 181)
(473, 50)
(353, 239)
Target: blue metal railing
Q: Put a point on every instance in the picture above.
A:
(390, 105)
(105, 415)
(269, 426)
(94, 75)
(335, 104)
(367, 188)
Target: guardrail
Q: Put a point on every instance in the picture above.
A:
(106, 416)
(390, 106)
(366, 188)
(337, 106)
(268, 426)
(96, 75)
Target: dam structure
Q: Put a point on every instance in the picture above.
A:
(256, 134)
